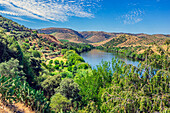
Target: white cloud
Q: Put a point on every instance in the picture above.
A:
(56, 10)
(9, 13)
(133, 17)
(18, 18)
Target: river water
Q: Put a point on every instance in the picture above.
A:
(95, 56)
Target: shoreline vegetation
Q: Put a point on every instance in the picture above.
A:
(49, 76)
(148, 55)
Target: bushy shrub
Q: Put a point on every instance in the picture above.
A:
(83, 66)
(50, 84)
(59, 103)
(66, 74)
(70, 68)
(56, 62)
(51, 62)
(11, 68)
(62, 64)
(56, 66)
(51, 48)
(63, 51)
(69, 89)
(36, 54)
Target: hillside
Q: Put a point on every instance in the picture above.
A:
(7, 25)
(22, 52)
(138, 40)
(95, 36)
(28, 61)
(75, 36)
(63, 33)
(98, 38)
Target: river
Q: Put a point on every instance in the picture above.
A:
(95, 56)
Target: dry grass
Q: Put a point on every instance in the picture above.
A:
(102, 42)
(70, 37)
(154, 48)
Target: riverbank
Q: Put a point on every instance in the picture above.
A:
(160, 61)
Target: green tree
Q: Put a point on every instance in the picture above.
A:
(51, 62)
(56, 62)
(50, 84)
(66, 74)
(59, 103)
(69, 68)
(83, 65)
(62, 64)
(56, 66)
(69, 89)
(51, 48)
(36, 54)
(11, 68)
(63, 51)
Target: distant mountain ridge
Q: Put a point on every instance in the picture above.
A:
(100, 37)
(72, 35)
(62, 30)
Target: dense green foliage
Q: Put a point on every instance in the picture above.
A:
(17, 89)
(69, 89)
(59, 103)
(78, 47)
(11, 68)
(9, 25)
(50, 84)
(124, 88)
(155, 60)
(73, 58)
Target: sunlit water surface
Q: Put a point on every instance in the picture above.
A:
(94, 57)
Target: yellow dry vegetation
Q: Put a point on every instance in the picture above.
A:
(154, 48)
(102, 42)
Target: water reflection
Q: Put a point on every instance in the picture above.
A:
(94, 57)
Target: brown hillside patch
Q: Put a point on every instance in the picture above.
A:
(15, 107)
(102, 42)
(96, 38)
(66, 36)
(70, 37)
(50, 38)
(131, 40)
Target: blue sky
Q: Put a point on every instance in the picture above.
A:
(130, 16)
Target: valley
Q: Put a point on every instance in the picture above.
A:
(54, 70)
